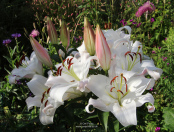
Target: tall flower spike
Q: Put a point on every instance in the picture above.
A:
(89, 37)
(41, 53)
(148, 6)
(102, 49)
(64, 34)
(52, 31)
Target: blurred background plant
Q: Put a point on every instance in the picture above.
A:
(154, 29)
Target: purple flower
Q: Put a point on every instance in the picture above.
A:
(165, 39)
(123, 22)
(148, 6)
(34, 33)
(157, 129)
(16, 35)
(18, 82)
(131, 20)
(82, 27)
(134, 23)
(80, 37)
(167, 63)
(159, 48)
(6, 42)
(164, 58)
(152, 19)
(151, 89)
(153, 52)
(139, 24)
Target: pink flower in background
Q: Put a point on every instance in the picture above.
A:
(157, 129)
(165, 39)
(139, 24)
(148, 6)
(123, 22)
(167, 63)
(164, 58)
(134, 23)
(34, 33)
(152, 20)
(153, 52)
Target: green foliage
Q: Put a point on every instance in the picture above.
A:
(168, 118)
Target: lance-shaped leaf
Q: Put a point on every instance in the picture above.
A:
(41, 52)
(64, 34)
(52, 31)
(89, 37)
(102, 49)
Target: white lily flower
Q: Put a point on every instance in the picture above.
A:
(71, 78)
(133, 61)
(120, 94)
(42, 99)
(27, 69)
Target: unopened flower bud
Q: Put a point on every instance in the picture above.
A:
(89, 37)
(52, 31)
(41, 52)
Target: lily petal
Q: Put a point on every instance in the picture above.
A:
(57, 92)
(143, 99)
(46, 117)
(151, 108)
(36, 85)
(97, 85)
(126, 114)
(33, 101)
(97, 104)
(149, 66)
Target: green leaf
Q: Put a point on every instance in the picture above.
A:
(113, 124)
(8, 59)
(168, 118)
(82, 13)
(13, 51)
(103, 117)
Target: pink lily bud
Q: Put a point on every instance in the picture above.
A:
(64, 34)
(89, 37)
(52, 31)
(102, 49)
(40, 52)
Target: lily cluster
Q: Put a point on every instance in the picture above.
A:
(119, 86)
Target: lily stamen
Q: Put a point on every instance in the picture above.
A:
(48, 90)
(113, 80)
(70, 66)
(120, 92)
(58, 71)
(140, 58)
(112, 89)
(46, 103)
(127, 53)
(70, 60)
